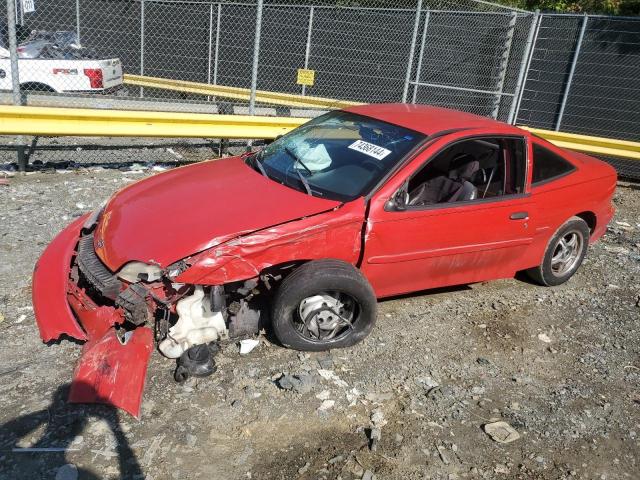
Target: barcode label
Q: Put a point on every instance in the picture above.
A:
(369, 149)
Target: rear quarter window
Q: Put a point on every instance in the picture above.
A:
(548, 165)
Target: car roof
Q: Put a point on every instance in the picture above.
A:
(431, 120)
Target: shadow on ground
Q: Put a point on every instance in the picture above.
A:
(63, 425)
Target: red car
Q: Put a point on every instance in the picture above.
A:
(304, 235)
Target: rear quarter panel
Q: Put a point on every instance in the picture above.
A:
(589, 188)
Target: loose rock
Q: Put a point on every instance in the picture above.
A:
(301, 383)
(67, 472)
(501, 432)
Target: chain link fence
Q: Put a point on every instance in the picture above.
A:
(584, 77)
(575, 73)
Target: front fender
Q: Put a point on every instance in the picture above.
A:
(336, 234)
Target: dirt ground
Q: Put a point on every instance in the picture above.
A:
(559, 365)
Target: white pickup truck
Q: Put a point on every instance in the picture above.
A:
(40, 70)
(71, 76)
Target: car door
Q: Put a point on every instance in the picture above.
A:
(414, 247)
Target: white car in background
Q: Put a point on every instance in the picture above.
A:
(56, 62)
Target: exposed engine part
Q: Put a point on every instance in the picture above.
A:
(133, 301)
(218, 299)
(245, 322)
(162, 324)
(248, 286)
(197, 361)
(197, 324)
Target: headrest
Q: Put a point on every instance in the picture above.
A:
(463, 167)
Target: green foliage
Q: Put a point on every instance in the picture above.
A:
(609, 7)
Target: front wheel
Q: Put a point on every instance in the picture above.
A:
(564, 254)
(323, 304)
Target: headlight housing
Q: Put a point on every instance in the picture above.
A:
(134, 272)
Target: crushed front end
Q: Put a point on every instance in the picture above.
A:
(120, 314)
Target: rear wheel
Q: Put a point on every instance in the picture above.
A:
(323, 304)
(34, 87)
(564, 254)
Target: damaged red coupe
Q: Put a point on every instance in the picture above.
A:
(304, 235)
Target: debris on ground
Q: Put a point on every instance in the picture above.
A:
(247, 345)
(375, 434)
(543, 337)
(441, 453)
(324, 395)
(299, 383)
(437, 365)
(501, 432)
(377, 418)
(326, 405)
(379, 397)
(368, 475)
(333, 377)
(325, 361)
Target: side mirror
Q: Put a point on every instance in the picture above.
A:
(398, 202)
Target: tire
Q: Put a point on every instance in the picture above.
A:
(34, 87)
(302, 294)
(554, 272)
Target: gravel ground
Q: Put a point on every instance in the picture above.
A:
(561, 366)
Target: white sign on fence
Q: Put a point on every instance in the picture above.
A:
(28, 6)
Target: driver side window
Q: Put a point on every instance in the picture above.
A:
(472, 169)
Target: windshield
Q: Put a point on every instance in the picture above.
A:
(340, 155)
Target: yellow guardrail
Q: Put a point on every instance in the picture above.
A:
(47, 121)
(589, 144)
(236, 93)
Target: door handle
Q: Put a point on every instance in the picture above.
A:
(519, 216)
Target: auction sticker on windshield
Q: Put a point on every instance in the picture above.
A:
(369, 149)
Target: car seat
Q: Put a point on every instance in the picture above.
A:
(455, 186)
(463, 168)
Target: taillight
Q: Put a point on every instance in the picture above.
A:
(95, 77)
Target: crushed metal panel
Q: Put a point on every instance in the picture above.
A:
(333, 234)
(113, 372)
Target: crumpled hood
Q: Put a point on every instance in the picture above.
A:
(177, 213)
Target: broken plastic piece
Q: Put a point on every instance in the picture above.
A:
(196, 325)
(246, 346)
(113, 372)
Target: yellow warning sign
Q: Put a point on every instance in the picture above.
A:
(306, 77)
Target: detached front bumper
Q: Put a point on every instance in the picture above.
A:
(50, 284)
(112, 368)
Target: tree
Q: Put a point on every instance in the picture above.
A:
(609, 7)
